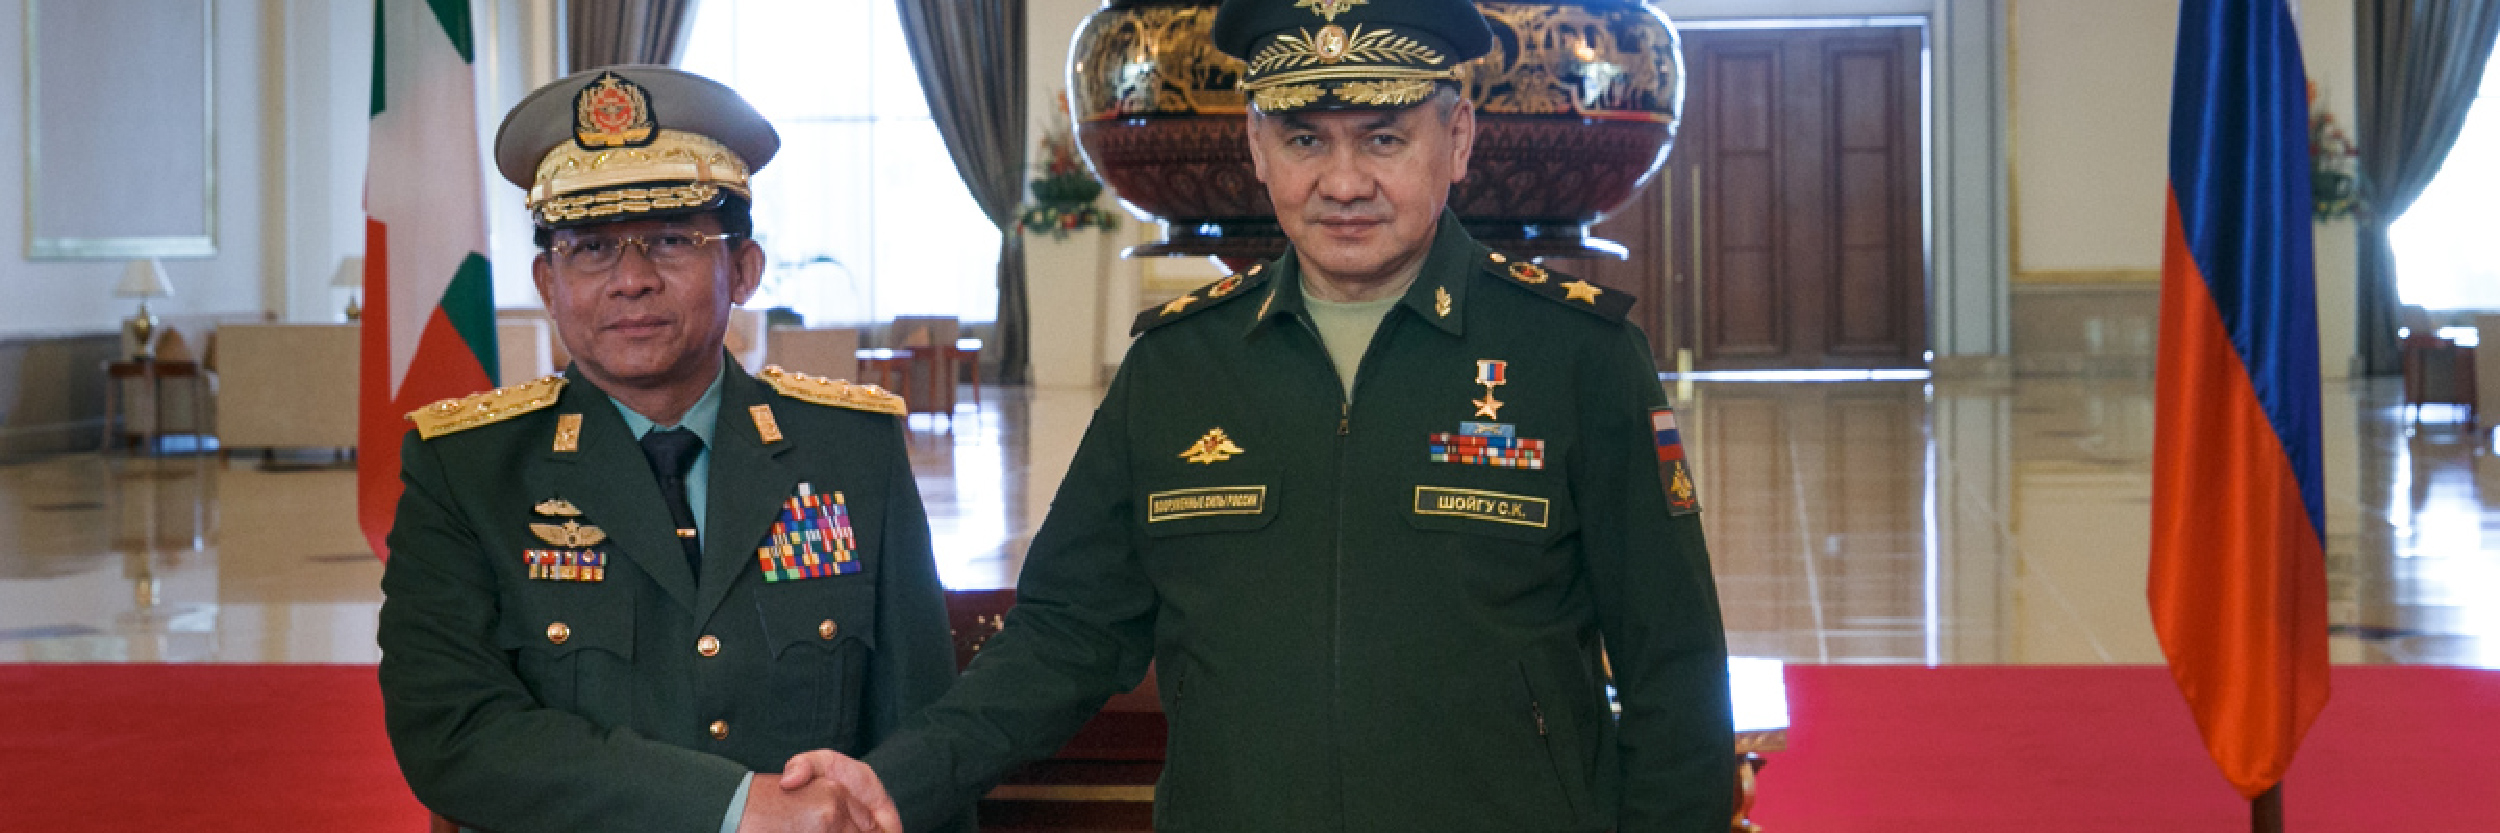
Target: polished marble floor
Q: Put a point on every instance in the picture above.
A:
(1850, 522)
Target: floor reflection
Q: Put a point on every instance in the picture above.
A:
(1850, 522)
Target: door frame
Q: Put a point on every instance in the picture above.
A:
(1967, 227)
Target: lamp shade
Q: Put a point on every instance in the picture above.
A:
(144, 278)
(351, 274)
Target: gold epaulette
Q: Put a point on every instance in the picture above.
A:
(835, 392)
(473, 410)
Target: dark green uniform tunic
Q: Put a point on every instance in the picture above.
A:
(1351, 636)
(507, 722)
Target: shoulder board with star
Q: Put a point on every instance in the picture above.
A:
(466, 412)
(807, 387)
(1609, 304)
(1203, 298)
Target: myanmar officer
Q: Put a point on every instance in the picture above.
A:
(1378, 511)
(616, 596)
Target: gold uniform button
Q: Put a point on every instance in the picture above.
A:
(708, 646)
(558, 632)
(826, 629)
(720, 730)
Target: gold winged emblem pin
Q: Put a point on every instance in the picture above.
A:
(570, 534)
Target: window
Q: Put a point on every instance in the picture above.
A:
(2446, 255)
(861, 214)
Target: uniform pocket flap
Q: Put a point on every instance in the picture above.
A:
(560, 619)
(821, 613)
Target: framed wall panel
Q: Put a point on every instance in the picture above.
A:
(120, 129)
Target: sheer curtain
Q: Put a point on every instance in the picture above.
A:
(2420, 63)
(971, 55)
(603, 32)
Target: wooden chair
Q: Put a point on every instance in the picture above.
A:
(927, 345)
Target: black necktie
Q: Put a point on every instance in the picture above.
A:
(671, 453)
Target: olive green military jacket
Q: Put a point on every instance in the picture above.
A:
(521, 699)
(1350, 635)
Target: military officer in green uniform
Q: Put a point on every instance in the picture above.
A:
(624, 598)
(1378, 511)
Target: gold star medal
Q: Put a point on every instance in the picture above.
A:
(1491, 373)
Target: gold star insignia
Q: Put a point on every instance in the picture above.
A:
(1581, 291)
(1179, 304)
(1489, 407)
(1441, 301)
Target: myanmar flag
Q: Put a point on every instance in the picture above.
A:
(429, 321)
(2238, 578)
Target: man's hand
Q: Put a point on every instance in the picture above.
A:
(820, 791)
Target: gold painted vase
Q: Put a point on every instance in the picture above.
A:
(1576, 107)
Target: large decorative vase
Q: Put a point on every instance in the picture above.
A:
(1576, 107)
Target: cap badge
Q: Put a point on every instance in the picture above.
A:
(612, 112)
(1211, 449)
(1330, 43)
(1328, 10)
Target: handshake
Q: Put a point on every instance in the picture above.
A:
(819, 792)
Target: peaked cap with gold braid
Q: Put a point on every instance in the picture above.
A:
(629, 141)
(1348, 54)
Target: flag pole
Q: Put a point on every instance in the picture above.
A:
(2265, 813)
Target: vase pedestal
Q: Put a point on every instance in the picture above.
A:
(1064, 290)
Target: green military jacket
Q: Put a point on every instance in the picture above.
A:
(521, 698)
(1351, 635)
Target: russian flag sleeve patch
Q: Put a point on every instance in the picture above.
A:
(1673, 472)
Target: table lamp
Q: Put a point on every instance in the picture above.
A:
(143, 279)
(351, 276)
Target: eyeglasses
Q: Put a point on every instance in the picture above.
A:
(669, 249)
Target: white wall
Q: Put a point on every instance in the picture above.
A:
(61, 297)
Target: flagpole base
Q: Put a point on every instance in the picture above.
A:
(2265, 813)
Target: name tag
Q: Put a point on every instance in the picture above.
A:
(1218, 500)
(1482, 506)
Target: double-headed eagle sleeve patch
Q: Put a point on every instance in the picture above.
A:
(1673, 472)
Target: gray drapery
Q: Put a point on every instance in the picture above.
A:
(603, 32)
(2419, 64)
(970, 54)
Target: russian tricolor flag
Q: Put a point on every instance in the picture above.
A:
(2238, 578)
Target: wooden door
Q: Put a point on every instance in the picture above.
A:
(1796, 231)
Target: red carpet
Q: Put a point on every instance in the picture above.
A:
(2055, 749)
(211, 748)
(199, 749)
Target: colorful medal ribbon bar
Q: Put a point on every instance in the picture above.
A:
(566, 565)
(812, 538)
